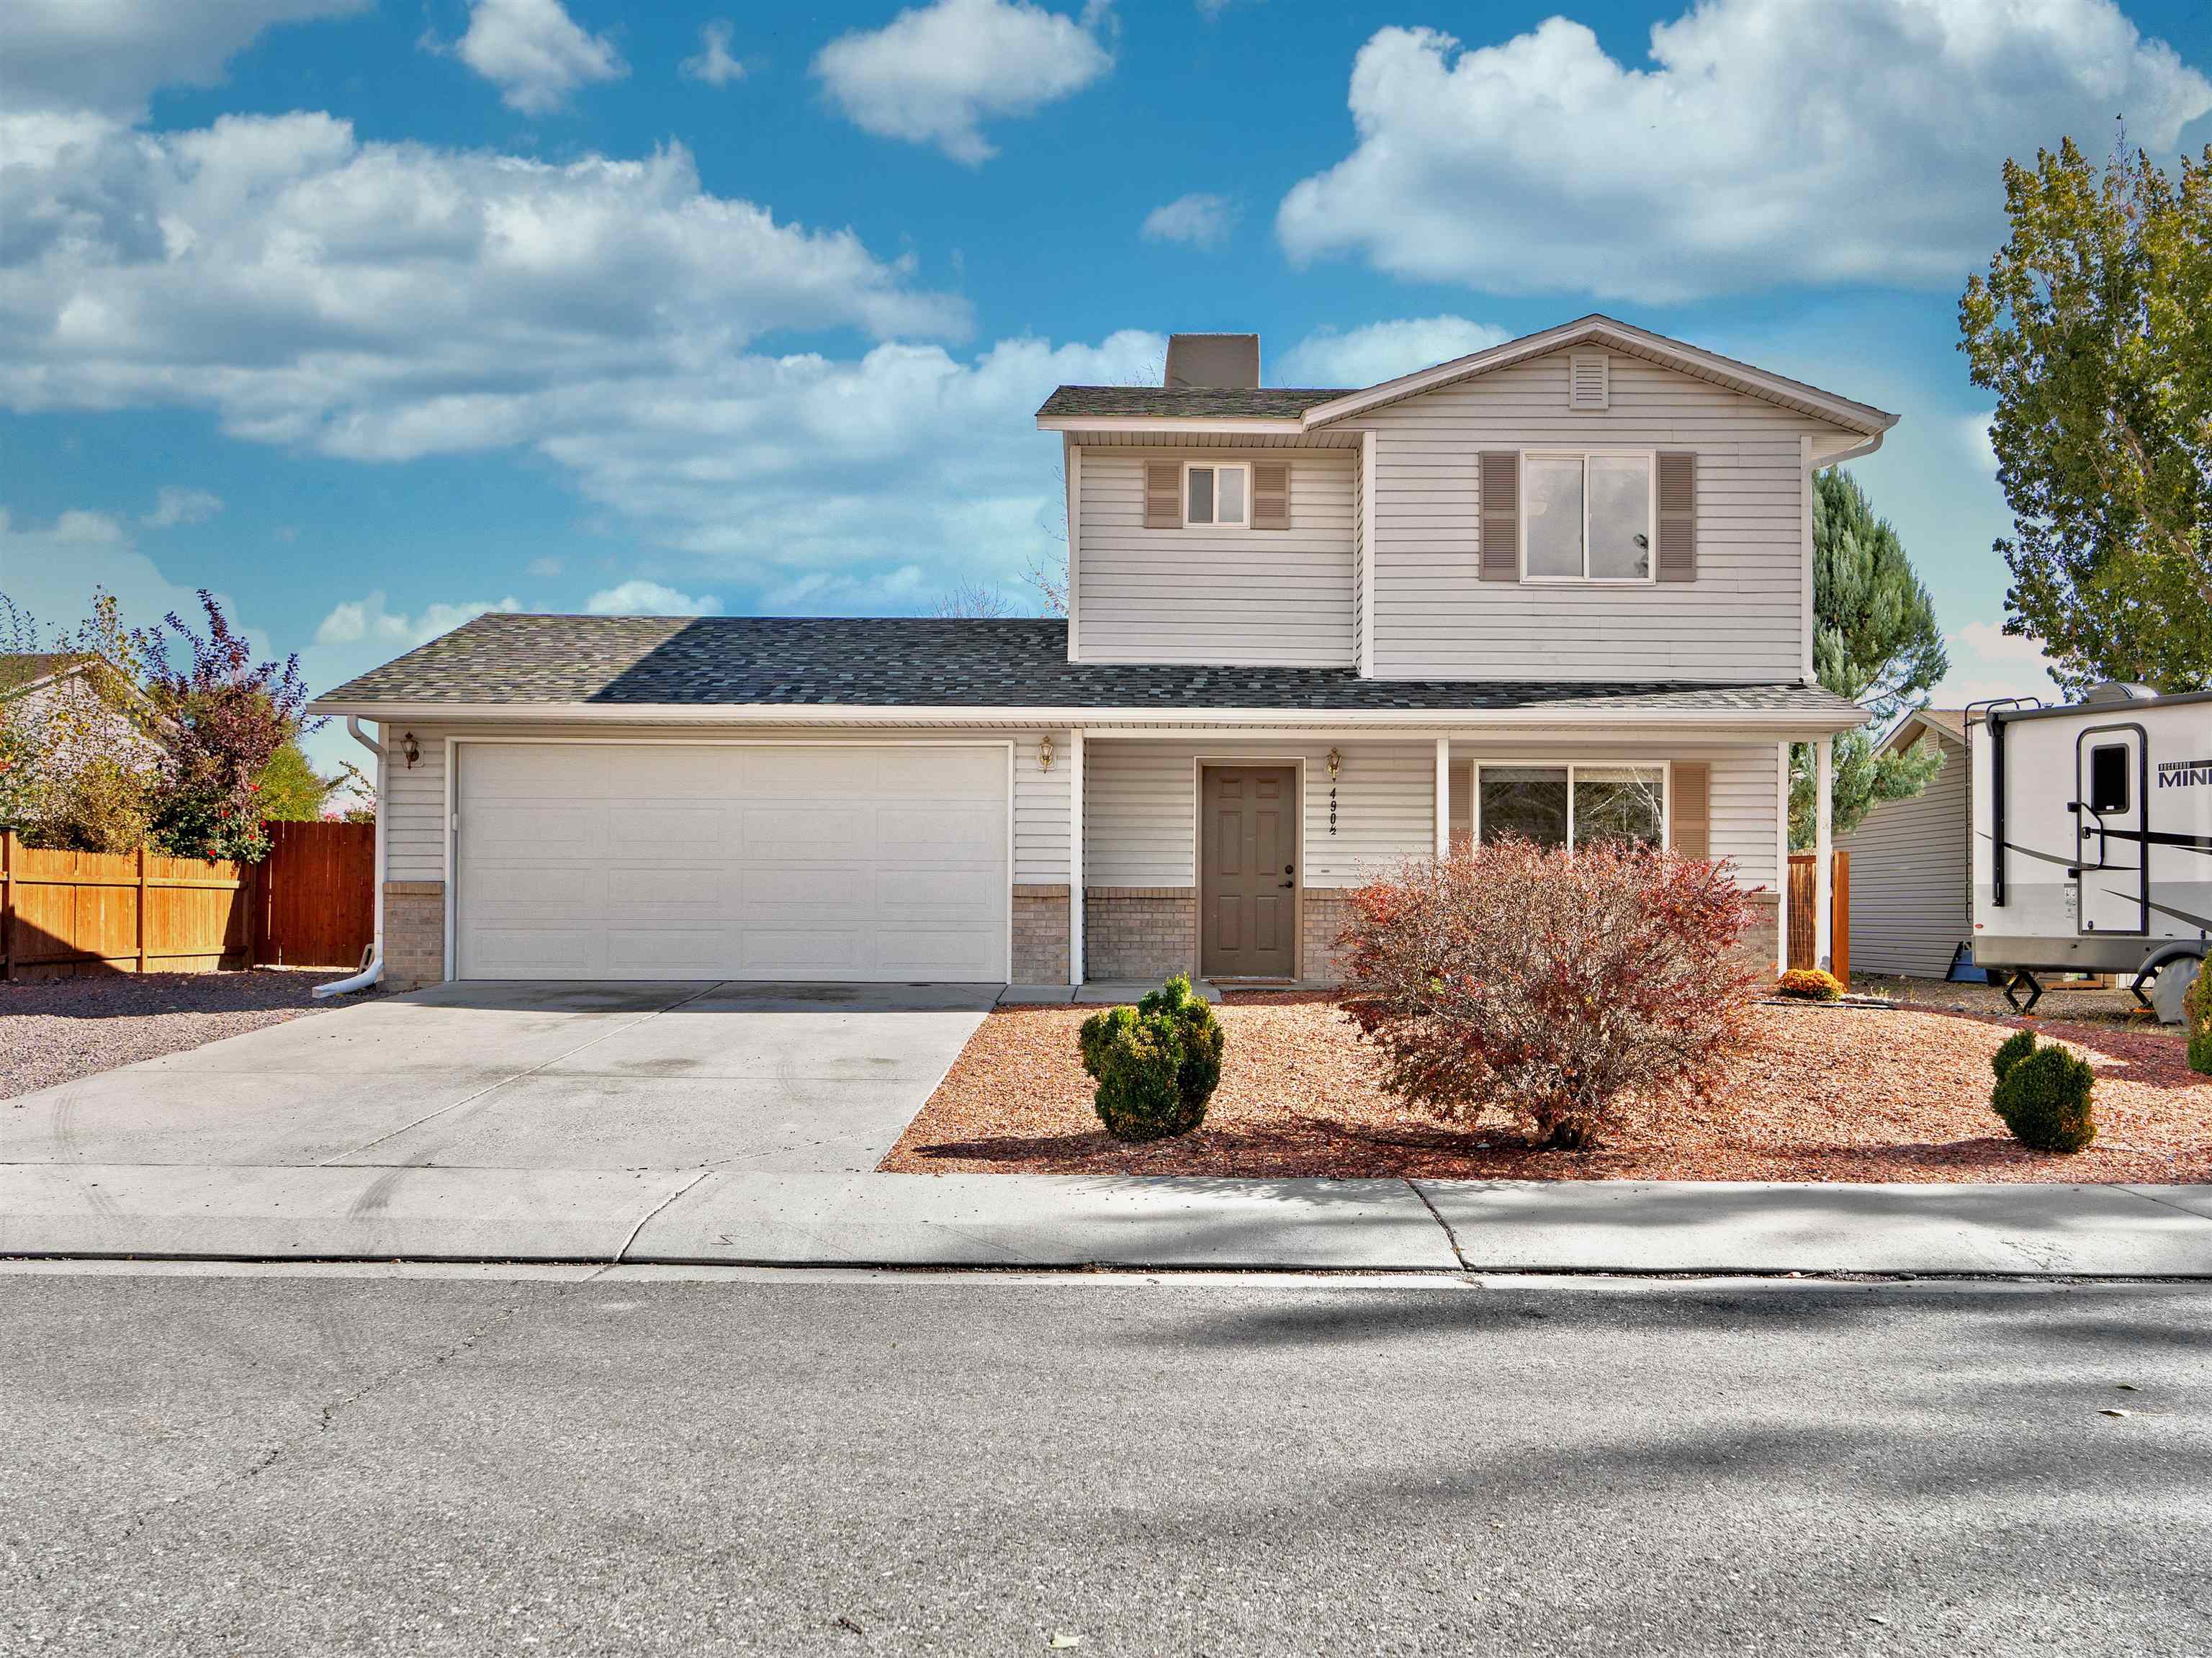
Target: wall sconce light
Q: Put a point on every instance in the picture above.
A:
(410, 750)
(1336, 764)
(1044, 752)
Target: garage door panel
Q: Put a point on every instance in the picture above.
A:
(699, 860)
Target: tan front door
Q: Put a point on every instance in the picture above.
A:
(1248, 891)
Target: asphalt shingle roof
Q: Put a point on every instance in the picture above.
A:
(1191, 402)
(507, 660)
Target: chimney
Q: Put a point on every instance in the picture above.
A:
(1225, 361)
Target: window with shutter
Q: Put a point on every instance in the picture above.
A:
(1271, 495)
(1163, 494)
(1678, 516)
(1500, 484)
(1590, 380)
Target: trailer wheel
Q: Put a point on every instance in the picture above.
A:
(2175, 970)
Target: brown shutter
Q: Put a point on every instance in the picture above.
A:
(1692, 809)
(1163, 494)
(1678, 516)
(1271, 495)
(1501, 515)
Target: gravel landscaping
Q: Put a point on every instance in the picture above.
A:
(1840, 1093)
(55, 1031)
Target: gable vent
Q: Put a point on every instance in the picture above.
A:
(1590, 380)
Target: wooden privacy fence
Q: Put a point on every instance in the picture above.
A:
(1802, 875)
(310, 905)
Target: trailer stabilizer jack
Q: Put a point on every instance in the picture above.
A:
(2021, 976)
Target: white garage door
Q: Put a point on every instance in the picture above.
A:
(611, 860)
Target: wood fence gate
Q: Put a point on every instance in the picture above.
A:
(318, 897)
(1802, 875)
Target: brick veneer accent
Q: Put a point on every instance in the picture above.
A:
(1323, 912)
(1041, 934)
(1140, 932)
(1762, 939)
(414, 933)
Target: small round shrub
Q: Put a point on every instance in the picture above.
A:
(1156, 1064)
(2016, 1047)
(1199, 1073)
(2196, 1013)
(2046, 1099)
(1809, 984)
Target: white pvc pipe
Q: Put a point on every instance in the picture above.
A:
(374, 971)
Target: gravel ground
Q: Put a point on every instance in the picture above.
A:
(55, 1031)
(1841, 1093)
(2072, 1003)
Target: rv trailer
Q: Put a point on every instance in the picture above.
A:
(2093, 839)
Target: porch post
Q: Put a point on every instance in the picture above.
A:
(1823, 890)
(1781, 858)
(1444, 796)
(1075, 856)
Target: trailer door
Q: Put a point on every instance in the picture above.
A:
(2114, 875)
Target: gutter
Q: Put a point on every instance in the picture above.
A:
(374, 971)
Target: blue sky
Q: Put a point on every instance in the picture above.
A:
(371, 314)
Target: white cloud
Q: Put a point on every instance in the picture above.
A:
(713, 64)
(1987, 662)
(934, 74)
(386, 301)
(1383, 350)
(173, 505)
(638, 597)
(1767, 141)
(544, 569)
(1201, 220)
(1981, 444)
(369, 621)
(50, 571)
(535, 53)
(108, 55)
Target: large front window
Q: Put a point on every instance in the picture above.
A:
(1588, 517)
(1570, 805)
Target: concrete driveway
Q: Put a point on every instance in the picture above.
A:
(797, 1079)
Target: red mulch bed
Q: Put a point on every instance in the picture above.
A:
(1838, 1093)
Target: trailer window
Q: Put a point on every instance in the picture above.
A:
(2108, 779)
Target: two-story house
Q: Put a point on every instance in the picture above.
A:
(1562, 588)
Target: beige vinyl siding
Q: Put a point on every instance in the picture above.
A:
(1140, 808)
(1740, 781)
(1741, 620)
(1909, 908)
(415, 833)
(1238, 597)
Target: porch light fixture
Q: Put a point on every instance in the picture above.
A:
(1044, 752)
(410, 750)
(1336, 764)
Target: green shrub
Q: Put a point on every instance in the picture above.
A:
(2017, 1047)
(1155, 1063)
(2046, 1099)
(2196, 1015)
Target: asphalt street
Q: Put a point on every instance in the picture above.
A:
(301, 1463)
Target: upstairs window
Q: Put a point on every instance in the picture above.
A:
(1218, 495)
(1586, 517)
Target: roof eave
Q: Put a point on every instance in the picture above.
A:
(1846, 718)
(1255, 426)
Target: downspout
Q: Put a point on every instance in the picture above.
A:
(374, 971)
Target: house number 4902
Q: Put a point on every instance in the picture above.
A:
(1332, 808)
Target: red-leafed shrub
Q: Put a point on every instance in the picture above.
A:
(1549, 984)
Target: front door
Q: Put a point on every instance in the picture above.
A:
(2110, 805)
(1247, 897)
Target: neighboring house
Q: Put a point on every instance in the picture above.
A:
(1908, 880)
(103, 710)
(1560, 587)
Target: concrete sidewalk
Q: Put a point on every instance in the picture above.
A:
(765, 1217)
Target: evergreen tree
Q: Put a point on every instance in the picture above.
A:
(1875, 641)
